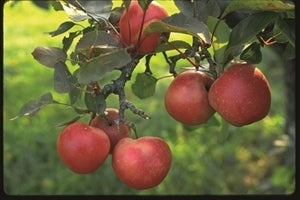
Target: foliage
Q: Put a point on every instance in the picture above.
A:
(87, 55)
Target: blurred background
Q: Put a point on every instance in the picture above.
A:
(214, 158)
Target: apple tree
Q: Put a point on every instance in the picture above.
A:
(223, 34)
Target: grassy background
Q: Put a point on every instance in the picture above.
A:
(207, 160)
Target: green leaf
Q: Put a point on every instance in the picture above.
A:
(49, 56)
(99, 41)
(285, 30)
(33, 106)
(265, 5)
(289, 52)
(69, 121)
(144, 85)
(67, 41)
(94, 102)
(144, 4)
(94, 69)
(252, 54)
(180, 23)
(76, 91)
(245, 31)
(96, 9)
(179, 44)
(63, 79)
(201, 9)
(65, 26)
(220, 37)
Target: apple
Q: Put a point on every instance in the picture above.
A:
(131, 24)
(241, 95)
(186, 98)
(141, 163)
(109, 126)
(82, 148)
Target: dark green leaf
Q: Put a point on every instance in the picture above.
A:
(97, 41)
(220, 37)
(69, 122)
(56, 5)
(33, 106)
(144, 85)
(245, 31)
(265, 5)
(180, 23)
(49, 56)
(63, 79)
(285, 31)
(179, 44)
(76, 91)
(94, 102)
(96, 9)
(252, 54)
(62, 28)
(144, 3)
(289, 52)
(201, 9)
(67, 41)
(94, 69)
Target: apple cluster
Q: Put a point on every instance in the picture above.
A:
(132, 24)
(140, 163)
(241, 95)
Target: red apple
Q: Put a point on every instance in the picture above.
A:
(142, 163)
(109, 126)
(131, 24)
(82, 148)
(241, 95)
(186, 99)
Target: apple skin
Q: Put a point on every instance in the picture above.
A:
(186, 98)
(131, 24)
(109, 126)
(142, 163)
(82, 148)
(241, 95)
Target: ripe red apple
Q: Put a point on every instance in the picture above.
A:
(141, 163)
(186, 99)
(241, 95)
(131, 24)
(82, 148)
(109, 126)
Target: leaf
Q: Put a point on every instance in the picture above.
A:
(98, 41)
(289, 52)
(179, 44)
(94, 102)
(220, 37)
(95, 69)
(67, 41)
(285, 30)
(144, 4)
(265, 5)
(246, 30)
(180, 23)
(201, 9)
(75, 92)
(144, 85)
(69, 121)
(63, 79)
(96, 9)
(49, 56)
(252, 54)
(33, 106)
(65, 26)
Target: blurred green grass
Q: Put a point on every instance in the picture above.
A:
(208, 160)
